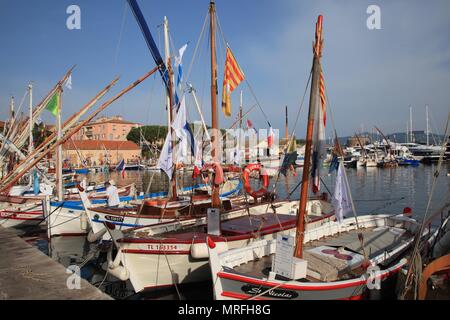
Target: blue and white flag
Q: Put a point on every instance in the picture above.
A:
(341, 200)
(334, 164)
(179, 64)
(120, 166)
(183, 132)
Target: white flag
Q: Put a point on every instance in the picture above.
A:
(179, 59)
(69, 82)
(165, 162)
(180, 121)
(198, 154)
(341, 201)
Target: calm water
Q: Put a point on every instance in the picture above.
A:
(374, 191)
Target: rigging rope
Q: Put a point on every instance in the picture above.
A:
(196, 49)
(414, 270)
(119, 42)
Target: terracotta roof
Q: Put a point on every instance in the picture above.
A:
(112, 121)
(100, 145)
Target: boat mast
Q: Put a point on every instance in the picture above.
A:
(174, 174)
(315, 84)
(411, 124)
(11, 108)
(167, 56)
(287, 126)
(169, 100)
(194, 95)
(214, 115)
(30, 94)
(428, 128)
(59, 158)
(240, 112)
(407, 132)
(11, 119)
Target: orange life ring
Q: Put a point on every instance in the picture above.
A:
(246, 176)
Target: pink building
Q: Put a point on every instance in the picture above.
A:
(111, 129)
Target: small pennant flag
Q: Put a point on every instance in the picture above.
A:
(232, 78)
(271, 136)
(54, 104)
(250, 126)
(69, 82)
(121, 167)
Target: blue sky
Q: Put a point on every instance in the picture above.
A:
(372, 77)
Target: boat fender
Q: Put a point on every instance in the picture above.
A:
(121, 273)
(113, 264)
(407, 212)
(246, 176)
(316, 209)
(200, 250)
(83, 221)
(93, 237)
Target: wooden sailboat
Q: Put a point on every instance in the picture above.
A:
(52, 143)
(168, 254)
(329, 261)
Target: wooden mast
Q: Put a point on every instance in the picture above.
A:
(59, 158)
(10, 180)
(314, 97)
(214, 116)
(30, 109)
(174, 174)
(170, 115)
(287, 126)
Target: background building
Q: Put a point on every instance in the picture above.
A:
(100, 152)
(112, 129)
(354, 142)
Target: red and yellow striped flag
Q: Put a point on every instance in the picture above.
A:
(232, 78)
(323, 99)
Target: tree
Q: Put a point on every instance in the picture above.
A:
(152, 134)
(40, 133)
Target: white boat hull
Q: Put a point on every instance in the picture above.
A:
(147, 264)
(231, 285)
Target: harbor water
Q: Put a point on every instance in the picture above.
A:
(374, 190)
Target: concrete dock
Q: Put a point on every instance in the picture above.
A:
(26, 273)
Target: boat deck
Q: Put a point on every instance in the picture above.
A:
(231, 228)
(337, 267)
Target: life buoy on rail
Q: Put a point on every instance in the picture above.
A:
(261, 192)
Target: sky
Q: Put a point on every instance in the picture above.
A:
(372, 76)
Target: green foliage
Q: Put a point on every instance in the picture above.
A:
(152, 134)
(40, 133)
